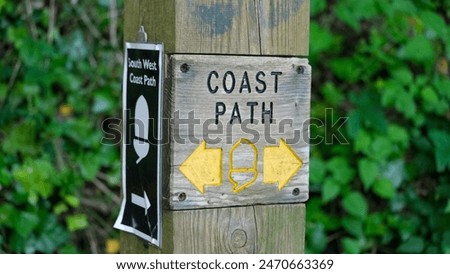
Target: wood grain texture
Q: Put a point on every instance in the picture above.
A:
(190, 95)
(131, 20)
(255, 27)
(232, 230)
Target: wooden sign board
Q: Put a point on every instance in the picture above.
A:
(239, 129)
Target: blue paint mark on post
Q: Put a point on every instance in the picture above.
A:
(284, 12)
(218, 16)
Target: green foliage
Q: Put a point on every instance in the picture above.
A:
(384, 65)
(58, 82)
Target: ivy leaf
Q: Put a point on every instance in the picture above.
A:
(26, 223)
(317, 170)
(405, 104)
(418, 49)
(381, 148)
(355, 204)
(368, 172)
(351, 246)
(353, 226)
(394, 171)
(73, 201)
(441, 141)
(403, 75)
(384, 188)
(446, 242)
(330, 190)
(103, 102)
(316, 6)
(340, 169)
(413, 245)
(447, 208)
(375, 225)
(399, 135)
(324, 38)
(36, 177)
(76, 222)
(21, 139)
(435, 23)
(52, 237)
(316, 237)
(362, 142)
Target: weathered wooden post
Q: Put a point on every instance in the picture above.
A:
(238, 98)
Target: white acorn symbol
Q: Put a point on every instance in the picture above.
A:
(140, 142)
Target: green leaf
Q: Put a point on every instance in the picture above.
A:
(21, 138)
(332, 95)
(390, 91)
(418, 49)
(404, 6)
(441, 141)
(446, 242)
(355, 204)
(352, 11)
(103, 103)
(375, 225)
(8, 214)
(89, 165)
(413, 245)
(443, 86)
(381, 148)
(431, 101)
(372, 115)
(36, 177)
(316, 237)
(351, 246)
(353, 226)
(403, 75)
(362, 142)
(384, 188)
(26, 223)
(330, 190)
(353, 125)
(447, 208)
(394, 171)
(325, 41)
(76, 222)
(346, 69)
(317, 170)
(399, 135)
(434, 23)
(368, 172)
(60, 208)
(53, 236)
(317, 6)
(341, 171)
(3, 90)
(73, 201)
(405, 104)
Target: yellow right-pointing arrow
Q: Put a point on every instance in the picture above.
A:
(280, 164)
(203, 167)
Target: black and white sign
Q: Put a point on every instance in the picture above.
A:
(140, 212)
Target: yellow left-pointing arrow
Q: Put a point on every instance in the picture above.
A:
(280, 164)
(203, 167)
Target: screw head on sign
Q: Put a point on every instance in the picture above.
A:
(296, 191)
(184, 68)
(181, 196)
(300, 69)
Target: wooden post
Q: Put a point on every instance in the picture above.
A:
(277, 28)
